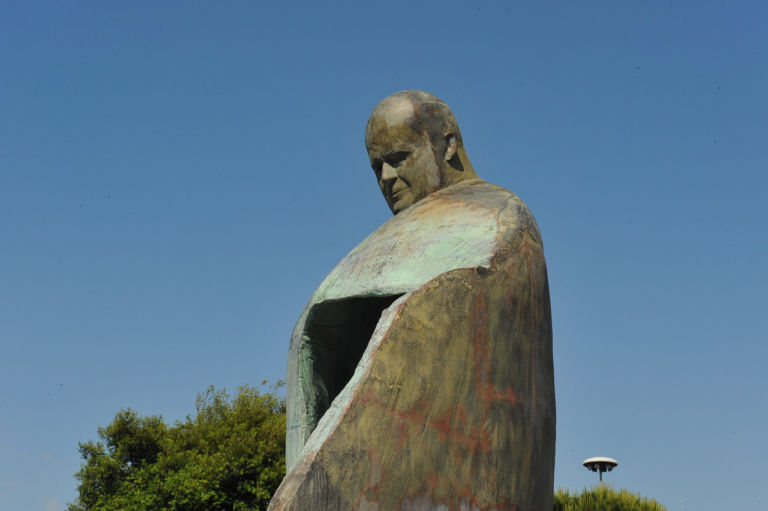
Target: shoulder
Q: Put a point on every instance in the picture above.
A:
(512, 214)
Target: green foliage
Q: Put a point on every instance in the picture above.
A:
(604, 498)
(229, 456)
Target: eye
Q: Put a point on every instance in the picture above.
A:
(376, 166)
(395, 159)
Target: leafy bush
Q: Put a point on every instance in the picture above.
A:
(604, 498)
(229, 456)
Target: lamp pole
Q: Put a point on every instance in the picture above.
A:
(600, 464)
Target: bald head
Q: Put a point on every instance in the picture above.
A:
(415, 147)
(422, 111)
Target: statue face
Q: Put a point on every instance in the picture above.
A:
(404, 162)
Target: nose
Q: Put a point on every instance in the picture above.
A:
(388, 172)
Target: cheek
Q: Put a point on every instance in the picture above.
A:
(428, 172)
(433, 177)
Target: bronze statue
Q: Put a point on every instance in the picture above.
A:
(415, 148)
(420, 373)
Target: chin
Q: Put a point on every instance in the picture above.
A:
(399, 206)
(401, 203)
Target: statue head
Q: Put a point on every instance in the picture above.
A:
(415, 147)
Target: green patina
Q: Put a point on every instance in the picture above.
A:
(420, 373)
(412, 248)
(435, 236)
(322, 424)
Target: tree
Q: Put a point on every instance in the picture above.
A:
(229, 456)
(604, 498)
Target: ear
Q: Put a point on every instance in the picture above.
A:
(451, 146)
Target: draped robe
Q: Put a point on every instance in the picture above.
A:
(420, 373)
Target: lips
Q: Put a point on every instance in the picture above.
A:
(398, 191)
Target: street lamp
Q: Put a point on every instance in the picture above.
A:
(600, 464)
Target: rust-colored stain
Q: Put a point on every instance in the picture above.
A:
(487, 392)
(451, 413)
(403, 421)
(461, 432)
(456, 433)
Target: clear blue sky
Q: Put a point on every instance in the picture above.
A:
(176, 178)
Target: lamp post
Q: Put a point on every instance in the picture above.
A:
(600, 464)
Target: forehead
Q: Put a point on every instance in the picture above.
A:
(394, 111)
(391, 127)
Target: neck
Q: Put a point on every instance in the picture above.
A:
(458, 168)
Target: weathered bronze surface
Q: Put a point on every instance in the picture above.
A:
(420, 373)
